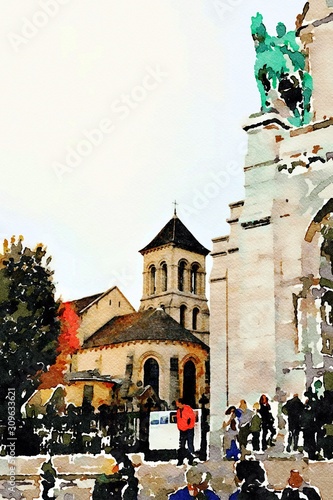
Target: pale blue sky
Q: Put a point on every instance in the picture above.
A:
(170, 84)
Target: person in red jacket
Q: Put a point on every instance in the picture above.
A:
(185, 424)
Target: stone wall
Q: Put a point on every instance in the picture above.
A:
(76, 476)
(260, 322)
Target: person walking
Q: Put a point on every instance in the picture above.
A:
(267, 423)
(185, 425)
(245, 417)
(255, 427)
(293, 409)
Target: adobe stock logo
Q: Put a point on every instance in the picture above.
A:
(216, 183)
(224, 7)
(31, 27)
(121, 109)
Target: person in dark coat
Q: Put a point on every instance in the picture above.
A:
(252, 477)
(309, 429)
(267, 423)
(293, 409)
(255, 427)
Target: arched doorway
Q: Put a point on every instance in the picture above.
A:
(151, 374)
(189, 384)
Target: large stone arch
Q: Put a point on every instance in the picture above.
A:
(318, 195)
(315, 301)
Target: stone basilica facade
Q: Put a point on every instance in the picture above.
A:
(272, 283)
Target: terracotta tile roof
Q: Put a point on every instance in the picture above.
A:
(153, 324)
(176, 233)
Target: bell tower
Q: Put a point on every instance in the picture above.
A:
(174, 276)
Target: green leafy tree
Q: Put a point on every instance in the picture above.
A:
(29, 326)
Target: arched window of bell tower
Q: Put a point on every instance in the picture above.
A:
(195, 278)
(152, 280)
(195, 314)
(182, 315)
(164, 269)
(181, 275)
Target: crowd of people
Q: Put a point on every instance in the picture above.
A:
(251, 484)
(242, 423)
(312, 419)
(309, 425)
(250, 430)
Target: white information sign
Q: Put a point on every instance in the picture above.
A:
(163, 432)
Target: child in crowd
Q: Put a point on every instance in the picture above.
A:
(230, 433)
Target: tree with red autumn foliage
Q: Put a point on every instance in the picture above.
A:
(68, 343)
